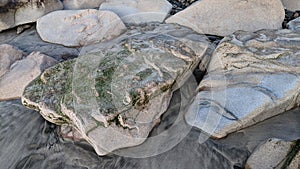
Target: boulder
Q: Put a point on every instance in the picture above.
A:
(115, 92)
(79, 27)
(251, 77)
(292, 5)
(8, 56)
(82, 4)
(139, 11)
(271, 154)
(20, 72)
(225, 17)
(14, 13)
(294, 24)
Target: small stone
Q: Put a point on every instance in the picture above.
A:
(21, 73)
(79, 27)
(139, 11)
(82, 4)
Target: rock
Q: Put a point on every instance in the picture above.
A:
(115, 94)
(14, 13)
(295, 163)
(29, 41)
(270, 154)
(225, 17)
(8, 56)
(292, 5)
(79, 27)
(82, 4)
(21, 73)
(251, 77)
(139, 11)
(294, 24)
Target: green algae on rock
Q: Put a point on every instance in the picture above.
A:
(116, 91)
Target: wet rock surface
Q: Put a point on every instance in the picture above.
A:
(79, 27)
(294, 24)
(225, 17)
(14, 13)
(138, 11)
(259, 70)
(115, 94)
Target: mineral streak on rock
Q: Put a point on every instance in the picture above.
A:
(116, 92)
(251, 77)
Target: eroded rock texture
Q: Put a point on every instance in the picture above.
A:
(115, 93)
(18, 12)
(251, 77)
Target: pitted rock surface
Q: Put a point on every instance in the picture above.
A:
(251, 77)
(115, 92)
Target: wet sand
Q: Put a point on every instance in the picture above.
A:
(28, 141)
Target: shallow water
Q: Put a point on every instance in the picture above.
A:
(28, 141)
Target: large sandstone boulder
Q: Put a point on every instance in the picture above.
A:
(272, 154)
(116, 92)
(251, 77)
(291, 5)
(79, 27)
(17, 72)
(139, 11)
(82, 4)
(13, 13)
(225, 17)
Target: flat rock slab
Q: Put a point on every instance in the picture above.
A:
(18, 71)
(251, 77)
(81, 4)
(294, 24)
(14, 13)
(115, 92)
(139, 11)
(79, 27)
(292, 5)
(271, 154)
(225, 17)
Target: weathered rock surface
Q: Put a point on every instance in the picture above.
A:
(291, 5)
(13, 13)
(225, 17)
(79, 27)
(294, 24)
(82, 4)
(116, 93)
(271, 154)
(139, 11)
(19, 73)
(8, 56)
(251, 77)
(29, 41)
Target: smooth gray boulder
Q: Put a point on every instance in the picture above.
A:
(271, 154)
(138, 11)
(294, 24)
(225, 17)
(291, 5)
(251, 77)
(9, 54)
(18, 72)
(14, 13)
(115, 92)
(82, 4)
(79, 27)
